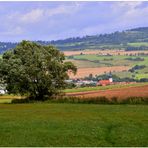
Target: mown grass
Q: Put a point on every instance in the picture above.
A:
(83, 89)
(73, 125)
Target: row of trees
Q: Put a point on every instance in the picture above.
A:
(116, 40)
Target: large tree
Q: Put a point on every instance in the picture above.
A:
(34, 70)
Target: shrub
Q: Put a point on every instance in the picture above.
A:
(89, 100)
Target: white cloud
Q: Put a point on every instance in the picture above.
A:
(32, 16)
(13, 31)
(130, 4)
(63, 9)
(36, 15)
(58, 10)
(130, 14)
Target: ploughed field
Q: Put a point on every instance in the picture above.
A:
(120, 93)
(45, 124)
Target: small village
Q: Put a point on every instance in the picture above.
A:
(83, 83)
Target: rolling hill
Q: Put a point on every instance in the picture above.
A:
(133, 39)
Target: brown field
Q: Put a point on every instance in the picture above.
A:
(83, 72)
(103, 52)
(121, 93)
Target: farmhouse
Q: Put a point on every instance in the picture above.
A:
(105, 82)
(2, 91)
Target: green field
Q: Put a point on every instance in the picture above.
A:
(83, 89)
(73, 125)
(138, 44)
(104, 60)
(119, 60)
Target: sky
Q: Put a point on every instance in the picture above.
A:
(59, 20)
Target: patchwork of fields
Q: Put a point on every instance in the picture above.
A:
(98, 62)
(117, 62)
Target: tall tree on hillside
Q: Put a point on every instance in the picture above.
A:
(34, 70)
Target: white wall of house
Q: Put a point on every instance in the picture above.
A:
(2, 91)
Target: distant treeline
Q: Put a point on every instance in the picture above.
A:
(116, 40)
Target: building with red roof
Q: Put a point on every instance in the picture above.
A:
(105, 82)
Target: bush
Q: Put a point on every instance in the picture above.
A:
(135, 100)
(18, 101)
(88, 100)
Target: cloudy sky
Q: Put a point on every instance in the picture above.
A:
(60, 20)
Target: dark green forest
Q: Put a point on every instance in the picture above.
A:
(133, 39)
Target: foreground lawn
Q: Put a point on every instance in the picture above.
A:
(73, 125)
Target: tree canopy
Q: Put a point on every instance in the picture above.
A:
(34, 70)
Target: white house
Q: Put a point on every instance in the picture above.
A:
(2, 92)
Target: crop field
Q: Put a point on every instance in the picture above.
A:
(41, 124)
(82, 72)
(120, 93)
(102, 52)
(117, 64)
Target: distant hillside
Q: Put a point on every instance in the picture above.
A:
(134, 39)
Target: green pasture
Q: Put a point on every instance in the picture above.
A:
(118, 60)
(85, 64)
(138, 44)
(40, 124)
(140, 76)
(123, 74)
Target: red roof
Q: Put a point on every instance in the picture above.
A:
(104, 82)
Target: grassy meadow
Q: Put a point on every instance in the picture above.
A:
(73, 125)
(138, 44)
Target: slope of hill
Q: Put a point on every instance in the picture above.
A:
(134, 39)
(6, 45)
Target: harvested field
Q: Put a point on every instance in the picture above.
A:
(121, 93)
(103, 52)
(83, 72)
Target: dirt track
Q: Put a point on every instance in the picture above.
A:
(121, 93)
